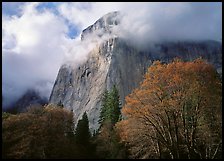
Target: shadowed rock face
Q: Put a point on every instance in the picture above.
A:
(29, 99)
(116, 62)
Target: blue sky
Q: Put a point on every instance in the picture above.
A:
(38, 37)
(14, 9)
(11, 8)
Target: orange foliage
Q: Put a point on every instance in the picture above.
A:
(167, 114)
(38, 134)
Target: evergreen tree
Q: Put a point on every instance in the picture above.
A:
(115, 105)
(60, 104)
(104, 107)
(84, 140)
(110, 111)
(82, 133)
(108, 145)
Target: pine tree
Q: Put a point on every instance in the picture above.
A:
(82, 133)
(104, 107)
(60, 104)
(110, 111)
(108, 145)
(84, 140)
(114, 100)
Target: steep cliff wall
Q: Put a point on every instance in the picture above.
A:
(115, 61)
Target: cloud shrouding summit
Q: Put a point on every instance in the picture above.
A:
(36, 38)
(154, 20)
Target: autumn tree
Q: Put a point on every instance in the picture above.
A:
(39, 133)
(175, 113)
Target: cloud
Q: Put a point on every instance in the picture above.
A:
(157, 22)
(39, 37)
(153, 21)
(84, 14)
(33, 50)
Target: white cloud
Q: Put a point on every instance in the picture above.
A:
(33, 50)
(35, 43)
(153, 21)
(85, 14)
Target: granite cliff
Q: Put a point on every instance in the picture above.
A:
(115, 61)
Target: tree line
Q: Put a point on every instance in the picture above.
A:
(48, 132)
(175, 113)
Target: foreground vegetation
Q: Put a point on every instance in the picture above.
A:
(176, 112)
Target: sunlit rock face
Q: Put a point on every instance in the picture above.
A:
(116, 62)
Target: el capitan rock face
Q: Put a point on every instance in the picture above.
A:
(104, 25)
(116, 62)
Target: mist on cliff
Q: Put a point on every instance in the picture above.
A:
(36, 42)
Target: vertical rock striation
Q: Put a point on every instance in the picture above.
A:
(116, 62)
